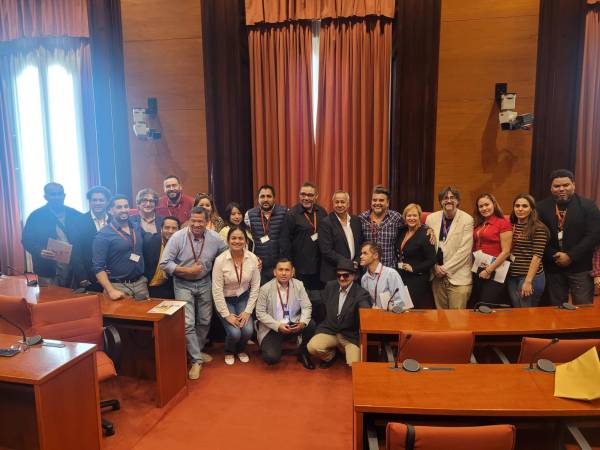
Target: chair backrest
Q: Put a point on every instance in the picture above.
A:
(437, 347)
(14, 309)
(75, 319)
(489, 437)
(563, 351)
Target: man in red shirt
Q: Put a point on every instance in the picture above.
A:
(174, 202)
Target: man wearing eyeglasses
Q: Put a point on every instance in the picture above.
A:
(340, 329)
(299, 237)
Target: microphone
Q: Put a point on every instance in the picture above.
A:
(486, 307)
(30, 283)
(568, 306)
(544, 365)
(390, 300)
(27, 341)
(400, 348)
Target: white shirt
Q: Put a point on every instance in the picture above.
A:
(349, 235)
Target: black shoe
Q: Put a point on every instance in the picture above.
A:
(305, 360)
(327, 364)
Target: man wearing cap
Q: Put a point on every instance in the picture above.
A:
(340, 329)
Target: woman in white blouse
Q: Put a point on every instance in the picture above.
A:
(235, 286)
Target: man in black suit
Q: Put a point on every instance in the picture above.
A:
(340, 329)
(340, 236)
(574, 224)
(91, 222)
(160, 285)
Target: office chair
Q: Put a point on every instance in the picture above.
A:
(437, 347)
(80, 320)
(400, 436)
(563, 351)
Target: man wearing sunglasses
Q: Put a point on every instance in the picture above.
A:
(340, 329)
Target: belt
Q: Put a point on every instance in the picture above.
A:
(131, 280)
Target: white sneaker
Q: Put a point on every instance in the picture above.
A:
(194, 372)
(229, 360)
(206, 357)
(243, 357)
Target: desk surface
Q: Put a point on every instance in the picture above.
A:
(470, 390)
(517, 321)
(39, 363)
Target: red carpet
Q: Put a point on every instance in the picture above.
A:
(250, 406)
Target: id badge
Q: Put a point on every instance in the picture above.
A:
(315, 236)
(134, 257)
(264, 239)
(560, 235)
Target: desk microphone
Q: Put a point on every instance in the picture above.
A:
(486, 307)
(27, 341)
(545, 365)
(30, 283)
(400, 348)
(395, 309)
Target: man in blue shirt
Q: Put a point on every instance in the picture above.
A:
(188, 257)
(117, 254)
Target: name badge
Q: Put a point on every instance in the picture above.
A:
(135, 258)
(264, 239)
(315, 236)
(560, 235)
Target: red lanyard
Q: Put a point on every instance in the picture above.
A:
(561, 216)
(196, 258)
(266, 227)
(287, 299)
(374, 296)
(238, 275)
(312, 222)
(125, 237)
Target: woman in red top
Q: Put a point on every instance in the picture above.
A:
(492, 234)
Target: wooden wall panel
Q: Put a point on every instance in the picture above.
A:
(162, 43)
(481, 44)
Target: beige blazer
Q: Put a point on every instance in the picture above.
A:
(266, 306)
(458, 246)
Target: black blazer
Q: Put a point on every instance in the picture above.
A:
(580, 235)
(334, 246)
(418, 251)
(87, 233)
(347, 323)
(296, 243)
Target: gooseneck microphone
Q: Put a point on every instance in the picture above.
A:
(30, 283)
(400, 348)
(390, 300)
(27, 341)
(486, 307)
(544, 365)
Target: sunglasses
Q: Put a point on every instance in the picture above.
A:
(343, 276)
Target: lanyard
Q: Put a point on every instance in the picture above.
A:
(560, 217)
(268, 224)
(374, 228)
(196, 258)
(445, 227)
(374, 296)
(238, 275)
(125, 238)
(284, 307)
(313, 222)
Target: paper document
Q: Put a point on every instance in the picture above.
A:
(482, 260)
(62, 249)
(580, 378)
(167, 307)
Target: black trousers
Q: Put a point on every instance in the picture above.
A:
(487, 290)
(580, 285)
(271, 344)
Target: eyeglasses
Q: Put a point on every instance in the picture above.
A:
(147, 200)
(343, 276)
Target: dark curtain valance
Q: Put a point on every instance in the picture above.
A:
(277, 11)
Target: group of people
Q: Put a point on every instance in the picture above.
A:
(301, 274)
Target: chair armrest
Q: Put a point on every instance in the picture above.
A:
(500, 354)
(112, 343)
(578, 436)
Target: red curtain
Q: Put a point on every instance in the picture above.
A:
(587, 167)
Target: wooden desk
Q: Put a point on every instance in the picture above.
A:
(502, 391)
(515, 322)
(153, 344)
(49, 397)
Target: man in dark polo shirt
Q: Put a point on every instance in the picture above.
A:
(118, 254)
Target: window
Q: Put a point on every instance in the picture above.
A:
(49, 130)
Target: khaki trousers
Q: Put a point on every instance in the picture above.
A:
(323, 346)
(448, 295)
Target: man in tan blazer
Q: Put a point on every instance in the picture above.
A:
(283, 310)
(453, 229)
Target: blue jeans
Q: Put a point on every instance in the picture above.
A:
(237, 338)
(514, 290)
(198, 312)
